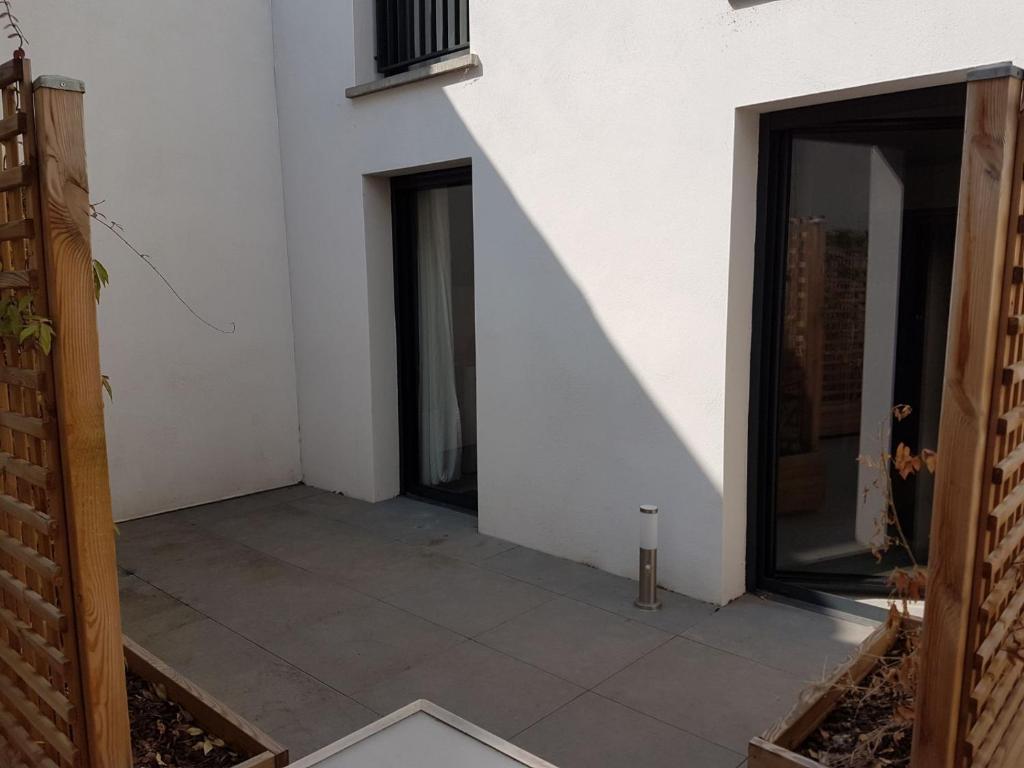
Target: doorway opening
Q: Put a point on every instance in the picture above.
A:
(857, 208)
(435, 309)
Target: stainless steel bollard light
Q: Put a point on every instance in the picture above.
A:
(648, 596)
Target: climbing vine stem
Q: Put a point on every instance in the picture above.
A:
(13, 28)
(101, 278)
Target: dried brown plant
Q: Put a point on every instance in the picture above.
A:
(13, 27)
(872, 724)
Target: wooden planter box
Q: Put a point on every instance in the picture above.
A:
(210, 714)
(776, 749)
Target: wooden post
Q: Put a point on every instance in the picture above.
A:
(67, 255)
(963, 474)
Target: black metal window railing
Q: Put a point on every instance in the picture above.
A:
(413, 31)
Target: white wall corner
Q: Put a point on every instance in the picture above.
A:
(737, 354)
(324, 212)
(299, 475)
(383, 342)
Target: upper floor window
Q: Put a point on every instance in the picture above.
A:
(410, 32)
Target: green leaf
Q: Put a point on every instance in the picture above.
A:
(32, 329)
(100, 277)
(10, 323)
(12, 315)
(46, 335)
(105, 381)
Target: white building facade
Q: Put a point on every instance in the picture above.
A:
(612, 153)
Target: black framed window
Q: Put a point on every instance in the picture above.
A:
(857, 205)
(411, 32)
(432, 217)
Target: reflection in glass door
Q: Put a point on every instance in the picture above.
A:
(859, 206)
(436, 330)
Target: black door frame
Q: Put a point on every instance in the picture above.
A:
(404, 232)
(777, 129)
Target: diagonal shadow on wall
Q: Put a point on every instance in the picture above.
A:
(588, 395)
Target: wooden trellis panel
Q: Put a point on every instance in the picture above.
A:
(40, 688)
(62, 692)
(67, 251)
(993, 721)
(971, 697)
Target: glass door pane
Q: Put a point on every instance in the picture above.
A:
(446, 338)
(436, 333)
(870, 226)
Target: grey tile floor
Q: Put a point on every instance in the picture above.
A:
(313, 614)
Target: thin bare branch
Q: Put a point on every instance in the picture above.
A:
(12, 26)
(118, 231)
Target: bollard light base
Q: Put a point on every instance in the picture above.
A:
(647, 599)
(647, 606)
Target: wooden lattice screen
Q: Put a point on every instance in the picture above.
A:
(62, 701)
(40, 692)
(971, 698)
(993, 733)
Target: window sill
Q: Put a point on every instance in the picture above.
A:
(461, 63)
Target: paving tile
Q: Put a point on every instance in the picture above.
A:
(616, 594)
(260, 595)
(495, 691)
(401, 519)
(129, 530)
(310, 541)
(553, 573)
(297, 710)
(272, 601)
(721, 697)
(594, 732)
(803, 642)
(468, 545)
(248, 503)
(202, 570)
(364, 643)
(449, 592)
(575, 641)
(415, 522)
(336, 506)
(161, 544)
(147, 612)
(342, 637)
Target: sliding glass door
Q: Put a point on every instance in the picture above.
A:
(433, 215)
(858, 216)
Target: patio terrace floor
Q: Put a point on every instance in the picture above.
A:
(313, 614)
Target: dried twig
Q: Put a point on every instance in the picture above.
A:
(118, 232)
(872, 723)
(13, 27)
(908, 584)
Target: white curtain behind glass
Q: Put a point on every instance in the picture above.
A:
(440, 426)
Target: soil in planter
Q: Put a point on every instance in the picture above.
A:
(166, 736)
(872, 724)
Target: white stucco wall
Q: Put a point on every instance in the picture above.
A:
(614, 157)
(182, 142)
